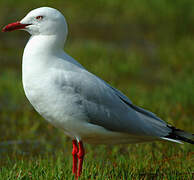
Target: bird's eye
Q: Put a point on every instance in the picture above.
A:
(39, 17)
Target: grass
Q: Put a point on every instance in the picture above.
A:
(144, 49)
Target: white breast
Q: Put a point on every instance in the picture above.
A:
(44, 88)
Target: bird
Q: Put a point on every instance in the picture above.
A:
(73, 99)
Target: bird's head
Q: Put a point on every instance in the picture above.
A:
(41, 21)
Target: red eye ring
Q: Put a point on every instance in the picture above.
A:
(39, 17)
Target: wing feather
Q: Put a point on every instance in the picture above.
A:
(107, 107)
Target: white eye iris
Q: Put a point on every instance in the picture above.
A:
(39, 17)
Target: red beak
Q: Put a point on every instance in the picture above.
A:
(14, 26)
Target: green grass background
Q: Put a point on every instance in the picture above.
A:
(144, 48)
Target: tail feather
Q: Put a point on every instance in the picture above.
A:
(172, 140)
(179, 135)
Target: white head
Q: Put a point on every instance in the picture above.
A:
(41, 21)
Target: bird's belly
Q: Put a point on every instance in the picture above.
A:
(94, 134)
(63, 110)
(67, 113)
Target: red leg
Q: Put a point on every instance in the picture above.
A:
(80, 156)
(74, 154)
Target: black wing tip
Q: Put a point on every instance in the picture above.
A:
(175, 134)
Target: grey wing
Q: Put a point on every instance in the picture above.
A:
(129, 102)
(107, 107)
(119, 93)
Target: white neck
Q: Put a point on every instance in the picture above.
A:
(44, 44)
(42, 52)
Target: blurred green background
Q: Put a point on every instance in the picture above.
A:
(143, 48)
